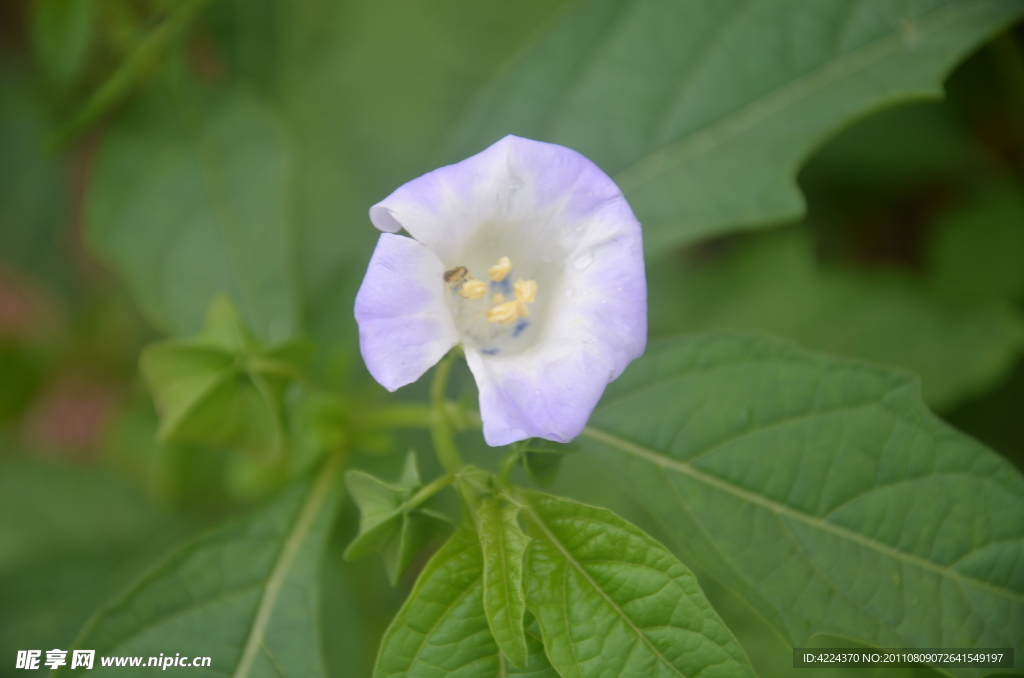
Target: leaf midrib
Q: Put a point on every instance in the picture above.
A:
(282, 566)
(590, 580)
(654, 457)
(662, 160)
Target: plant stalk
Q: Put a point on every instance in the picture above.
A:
(441, 431)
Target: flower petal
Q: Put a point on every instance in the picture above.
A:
(515, 180)
(405, 326)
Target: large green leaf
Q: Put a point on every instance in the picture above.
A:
(703, 111)
(610, 600)
(772, 282)
(822, 490)
(245, 595)
(190, 201)
(442, 629)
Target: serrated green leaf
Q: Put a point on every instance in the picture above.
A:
(504, 545)
(442, 629)
(773, 282)
(703, 112)
(387, 521)
(610, 600)
(189, 202)
(245, 594)
(823, 491)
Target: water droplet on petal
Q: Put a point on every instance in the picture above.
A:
(583, 260)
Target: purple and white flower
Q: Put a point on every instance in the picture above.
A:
(528, 255)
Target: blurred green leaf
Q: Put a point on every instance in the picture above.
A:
(822, 490)
(190, 201)
(609, 599)
(703, 112)
(245, 594)
(442, 629)
(389, 521)
(221, 387)
(504, 544)
(979, 248)
(33, 185)
(773, 283)
(62, 33)
(70, 537)
(47, 507)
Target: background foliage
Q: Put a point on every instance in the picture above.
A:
(845, 175)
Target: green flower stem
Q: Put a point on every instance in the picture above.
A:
(509, 462)
(441, 431)
(429, 490)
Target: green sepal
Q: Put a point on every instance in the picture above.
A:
(542, 459)
(222, 387)
(388, 522)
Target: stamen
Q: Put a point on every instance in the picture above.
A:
(498, 272)
(503, 313)
(498, 298)
(526, 291)
(472, 289)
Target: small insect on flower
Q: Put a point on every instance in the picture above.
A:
(528, 256)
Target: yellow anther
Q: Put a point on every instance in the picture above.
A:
(498, 298)
(526, 291)
(522, 309)
(500, 269)
(473, 289)
(503, 313)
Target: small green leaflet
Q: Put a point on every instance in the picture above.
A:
(504, 545)
(610, 600)
(442, 630)
(703, 111)
(245, 595)
(388, 520)
(221, 387)
(823, 490)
